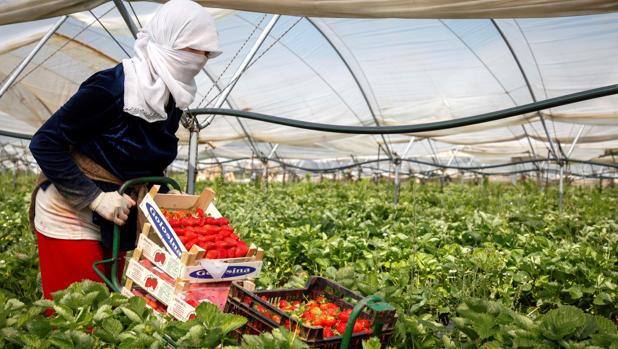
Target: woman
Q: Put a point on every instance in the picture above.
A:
(120, 124)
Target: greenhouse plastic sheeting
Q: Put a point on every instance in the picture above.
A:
(12, 11)
(355, 72)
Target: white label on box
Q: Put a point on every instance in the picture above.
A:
(161, 226)
(180, 309)
(211, 270)
(150, 282)
(157, 255)
(212, 211)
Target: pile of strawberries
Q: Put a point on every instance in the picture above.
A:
(319, 313)
(212, 234)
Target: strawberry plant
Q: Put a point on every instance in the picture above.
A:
(433, 255)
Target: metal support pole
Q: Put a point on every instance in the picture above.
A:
(126, 17)
(561, 189)
(397, 164)
(225, 93)
(20, 68)
(408, 147)
(192, 164)
(359, 170)
(265, 161)
(575, 140)
(243, 65)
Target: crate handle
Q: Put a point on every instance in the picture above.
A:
(373, 302)
(114, 284)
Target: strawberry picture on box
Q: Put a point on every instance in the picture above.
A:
(157, 271)
(159, 258)
(151, 282)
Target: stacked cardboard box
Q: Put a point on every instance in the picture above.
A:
(163, 269)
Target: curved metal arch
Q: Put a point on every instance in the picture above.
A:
(355, 70)
(230, 101)
(528, 85)
(319, 76)
(491, 72)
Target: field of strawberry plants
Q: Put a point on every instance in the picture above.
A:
(489, 265)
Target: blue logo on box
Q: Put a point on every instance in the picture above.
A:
(231, 271)
(165, 231)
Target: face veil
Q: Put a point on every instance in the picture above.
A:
(160, 67)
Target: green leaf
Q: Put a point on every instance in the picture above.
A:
(104, 335)
(103, 312)
(81, 340)
(213, 318)
(137, 305)
(604, 339)
(13, 304)
(128, 343)
(72, 300)
(44, 303)
(372, 343)
(589, 327)
(562, 322)
(113, 326)
(33, 341)
(605, 325)
(11, 334)
(64, 311)
(280, 338)
(575, 292)
(39, 327)
(61, 340)
(484, 325)
(131, 314)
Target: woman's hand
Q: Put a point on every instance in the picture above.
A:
(113, 206)
(175, 192)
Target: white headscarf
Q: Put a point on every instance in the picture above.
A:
(160, 67)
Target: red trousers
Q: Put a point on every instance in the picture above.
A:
(64, 262)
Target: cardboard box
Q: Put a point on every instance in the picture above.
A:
(166, 250)
(159, 256)
(206, 270)
(180, 279)
(161, 289)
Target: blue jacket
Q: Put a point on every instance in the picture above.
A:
(93, 123)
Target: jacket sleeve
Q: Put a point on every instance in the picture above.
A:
(82, 117)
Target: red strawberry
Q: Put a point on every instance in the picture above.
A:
(328, 332)
(340, 327)
(329, 321)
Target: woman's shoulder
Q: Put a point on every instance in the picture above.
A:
(109, 80)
